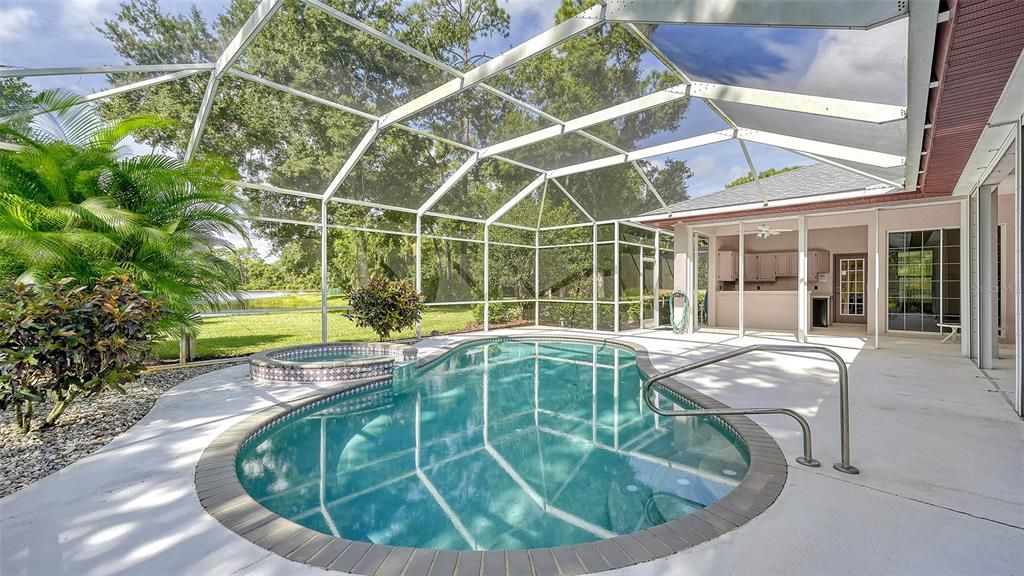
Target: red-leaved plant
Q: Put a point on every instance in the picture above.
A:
(385, 305)
(64, 341)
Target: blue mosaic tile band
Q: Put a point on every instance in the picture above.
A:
(287, 364)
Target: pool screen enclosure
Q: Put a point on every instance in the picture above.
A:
(508, 182)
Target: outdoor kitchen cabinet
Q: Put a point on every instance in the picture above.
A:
(787, 264)
(770, 266)
(728, 267)
(759, 267)
(818, 261)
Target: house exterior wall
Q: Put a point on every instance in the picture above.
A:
(774, 306)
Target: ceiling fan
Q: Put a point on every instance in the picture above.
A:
(765, 231)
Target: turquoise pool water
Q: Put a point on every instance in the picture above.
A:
(503, 445)
(331, 356)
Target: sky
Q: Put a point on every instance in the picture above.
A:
(853, 64)
(62, 33)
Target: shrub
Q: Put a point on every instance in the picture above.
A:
(63, 341)
(385, 305)
(567, 314)
(501, 313)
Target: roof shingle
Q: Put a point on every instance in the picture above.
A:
(813, 180)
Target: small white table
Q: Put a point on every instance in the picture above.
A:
(954, 332)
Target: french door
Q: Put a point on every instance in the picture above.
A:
(850, 294)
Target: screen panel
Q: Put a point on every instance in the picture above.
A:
(332, 60)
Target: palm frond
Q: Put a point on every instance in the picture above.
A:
(61, 116)
(71, 206)
(112, 135)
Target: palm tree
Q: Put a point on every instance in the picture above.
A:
(73, 203)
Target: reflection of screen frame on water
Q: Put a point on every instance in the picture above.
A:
(495, 445)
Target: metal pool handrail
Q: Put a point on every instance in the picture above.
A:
(806, 459)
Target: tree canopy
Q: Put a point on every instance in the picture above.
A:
(279, 139)
(762, 174)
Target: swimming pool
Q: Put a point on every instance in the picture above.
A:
(496, 445)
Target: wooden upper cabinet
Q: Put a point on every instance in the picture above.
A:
(786, 263)
(750, 268)
(770, 266)
(727, 269)
(817, 262)
(766, 267)
(824, 261)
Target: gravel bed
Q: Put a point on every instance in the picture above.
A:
(86, 426)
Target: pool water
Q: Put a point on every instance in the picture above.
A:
(332, 356)
(499, 445)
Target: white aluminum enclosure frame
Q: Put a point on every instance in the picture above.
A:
(864, 14)
(263, 12)
(1018, 261)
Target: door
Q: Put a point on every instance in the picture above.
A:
(702, 275)
(647, 292)
(850, 288)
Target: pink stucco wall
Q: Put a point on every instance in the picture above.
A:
(774, 305)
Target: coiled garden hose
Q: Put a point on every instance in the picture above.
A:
(679, 325)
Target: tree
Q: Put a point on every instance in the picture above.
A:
(749, 177)
(73, 205)
(446, 29)
(289, 142)
(670, 180)
(270, 136)
(145, 35)
(594, 70)
(15, 95)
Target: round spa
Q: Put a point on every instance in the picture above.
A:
(533, 451)
(329, 363)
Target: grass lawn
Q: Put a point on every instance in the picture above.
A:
(307, 300)
(227, 336)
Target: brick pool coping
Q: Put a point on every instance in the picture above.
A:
(222, 495)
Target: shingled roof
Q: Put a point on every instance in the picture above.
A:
(813, 180)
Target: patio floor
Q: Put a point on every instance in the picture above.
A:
(939, 449)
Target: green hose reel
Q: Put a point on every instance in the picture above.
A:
(679, 325)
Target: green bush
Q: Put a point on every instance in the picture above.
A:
(385, 305)
(567, 314)
(63, 341)
(501, 313)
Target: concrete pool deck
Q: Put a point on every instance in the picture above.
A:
(941, 454)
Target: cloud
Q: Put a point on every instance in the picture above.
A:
(713, 169)
(78, 18)
(17, 21)
(853, 64)
(870, 66)
(541, 11)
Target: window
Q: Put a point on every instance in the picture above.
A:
(851, 286)
(924, 279)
